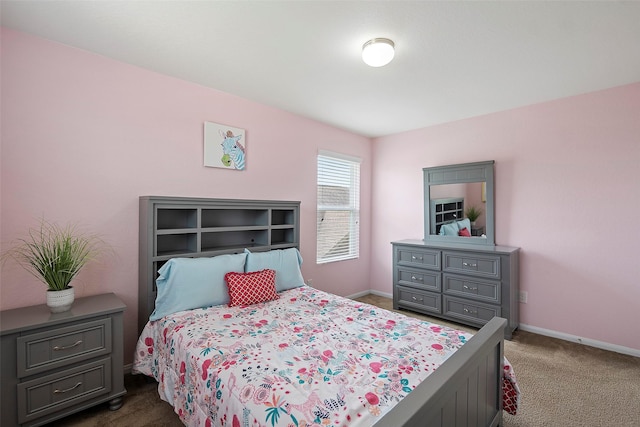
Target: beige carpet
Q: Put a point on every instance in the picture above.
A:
(563, 384)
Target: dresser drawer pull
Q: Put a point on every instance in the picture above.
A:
(471, 288)
(67, 347)
(466, 310)
(419, 278)
(58, 391)
(468, 264)
(418, 258)
(417, 299)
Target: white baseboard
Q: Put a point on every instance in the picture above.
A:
(381, 294)
(127, 368)
(358, 295)
(586, 341)
(374, 292)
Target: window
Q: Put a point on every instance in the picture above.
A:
(338, 223)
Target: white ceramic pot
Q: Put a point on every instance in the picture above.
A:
(60, 301)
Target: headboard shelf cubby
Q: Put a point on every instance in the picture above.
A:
(171, 218)
(234, 217)
(172, 227)
(446, 210)
(282, 217)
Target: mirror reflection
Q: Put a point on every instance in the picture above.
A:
(455, 207)
(459, 203)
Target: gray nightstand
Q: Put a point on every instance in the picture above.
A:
(477, 231)
(56, 364)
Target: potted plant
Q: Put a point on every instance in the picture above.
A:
(473, 214)
(55, 254)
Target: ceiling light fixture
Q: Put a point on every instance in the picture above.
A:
(378, 52)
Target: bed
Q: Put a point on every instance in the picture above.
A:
(254, 345)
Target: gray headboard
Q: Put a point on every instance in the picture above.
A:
(172, 227)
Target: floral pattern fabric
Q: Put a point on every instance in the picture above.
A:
(306, 359)
(510, 390)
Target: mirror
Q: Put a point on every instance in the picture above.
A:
(449, 193)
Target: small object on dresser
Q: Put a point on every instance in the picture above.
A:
(473, 214)
(60, 301)
(55, 254)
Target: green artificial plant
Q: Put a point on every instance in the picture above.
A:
(55, 254)
(473, 213)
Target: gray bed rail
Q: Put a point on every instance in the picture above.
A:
(466, 390)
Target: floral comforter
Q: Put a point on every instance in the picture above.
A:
(307, 359)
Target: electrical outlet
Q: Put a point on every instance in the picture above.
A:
(523, 295)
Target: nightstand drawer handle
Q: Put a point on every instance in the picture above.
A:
(466, 310)
(66, 347)
(58, 391)
(419, 278)
(417, 299)
(418, 258)
(471, 288)
(468, 264)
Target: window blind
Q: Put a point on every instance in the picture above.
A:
(338, 211)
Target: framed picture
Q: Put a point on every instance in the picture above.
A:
(224, 146)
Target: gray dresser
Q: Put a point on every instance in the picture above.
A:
(56, 364)
(468, 284)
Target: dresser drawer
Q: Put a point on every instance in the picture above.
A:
(478, 265)
(470, 311)
(424, 279)
(52, 393)
(58, 347)
(415, 257)
(418, 300)
(472, 288)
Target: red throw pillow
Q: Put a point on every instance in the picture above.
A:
(464, 232)
(251, 288)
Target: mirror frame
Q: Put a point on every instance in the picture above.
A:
(459, 174)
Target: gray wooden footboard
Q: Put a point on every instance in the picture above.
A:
(466, 390)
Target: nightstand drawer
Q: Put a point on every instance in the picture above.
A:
(423, 301)
(472, 288)
(470, 311)
(419, 257)
(424, 279)
(58, 347)
(457, 262)
(52, 393)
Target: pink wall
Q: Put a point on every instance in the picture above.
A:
(84, 136)
(567, 193)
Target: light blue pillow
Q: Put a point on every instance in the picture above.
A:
(286, 263)
(450, 229)
(188, 283)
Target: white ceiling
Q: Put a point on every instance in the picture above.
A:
(454, 60)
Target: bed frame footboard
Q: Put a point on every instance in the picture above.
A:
(466, 390)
